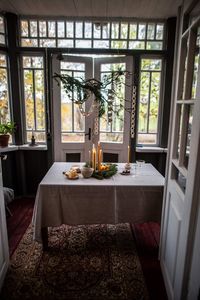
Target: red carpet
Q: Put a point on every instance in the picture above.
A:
(146, 236)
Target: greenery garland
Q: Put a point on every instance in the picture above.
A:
(83, 89)
(106, 173)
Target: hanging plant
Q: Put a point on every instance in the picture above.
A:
(84, 89)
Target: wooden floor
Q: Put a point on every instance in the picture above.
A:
(146, 237)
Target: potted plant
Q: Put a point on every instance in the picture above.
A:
(6, 130)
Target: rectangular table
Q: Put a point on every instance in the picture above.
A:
(119, 199)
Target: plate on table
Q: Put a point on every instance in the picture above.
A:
(70, 178)
(76, 168)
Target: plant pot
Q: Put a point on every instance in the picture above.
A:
(87, 172)
(4, 138)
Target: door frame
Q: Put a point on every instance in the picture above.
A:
(83, 148)
(186, 212)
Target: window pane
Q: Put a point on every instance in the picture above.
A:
(29, 100)
(159, 31)
(136, 45)
(61, 29)
(142, 31)
(154, 46)
(154, 102)
(97, 30)
(133, 32)
(70, 29)
(147, 139)
(33, 29)
(115, 30)
(51, 29)
(151, 64)
(101, 44)
(106, 31)
(24, 28)
(79, 29)
(47, 43)
(4, 91)
(29, 43)
(65, 43)
(151, 31)
(119, 44)
(2, 28)
(40, 101)
(42, 28)
(195, 74)
(144, 100)
(188, 137)
(88, 30)
(124, 30)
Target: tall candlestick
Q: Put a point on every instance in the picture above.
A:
(129, 154)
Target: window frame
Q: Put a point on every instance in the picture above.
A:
(32, 54)
(161, 100)
(94, 21)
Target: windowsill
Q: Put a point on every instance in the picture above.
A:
(9, 148)
(22, 147)
(149, 149)
(27, 147)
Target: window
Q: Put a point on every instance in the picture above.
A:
(4, 90)
(149, 100)
(34, 97)
(92, 34)
(2, 31)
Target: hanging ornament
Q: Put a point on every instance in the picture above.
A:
(110, 105)
(133, 110)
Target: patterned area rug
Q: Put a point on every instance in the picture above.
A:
(83, 262)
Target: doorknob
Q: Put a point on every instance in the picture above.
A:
(89, 134)
(3, 156)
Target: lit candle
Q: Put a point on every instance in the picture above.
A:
(90, 158)
(94, 159)
(129, 154)
(98, 156)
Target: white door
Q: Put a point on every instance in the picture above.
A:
(115, 135)
(181, 193)
(70, 126)
(4, 252)
(74, 133)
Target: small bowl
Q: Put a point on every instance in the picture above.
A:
(87, 172)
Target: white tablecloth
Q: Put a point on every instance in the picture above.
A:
(133, 198)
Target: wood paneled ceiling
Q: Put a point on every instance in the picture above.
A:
(93, 8)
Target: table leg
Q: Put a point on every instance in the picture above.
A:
(44, 233)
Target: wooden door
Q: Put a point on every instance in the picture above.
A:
(4, 252)
(182, 185)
